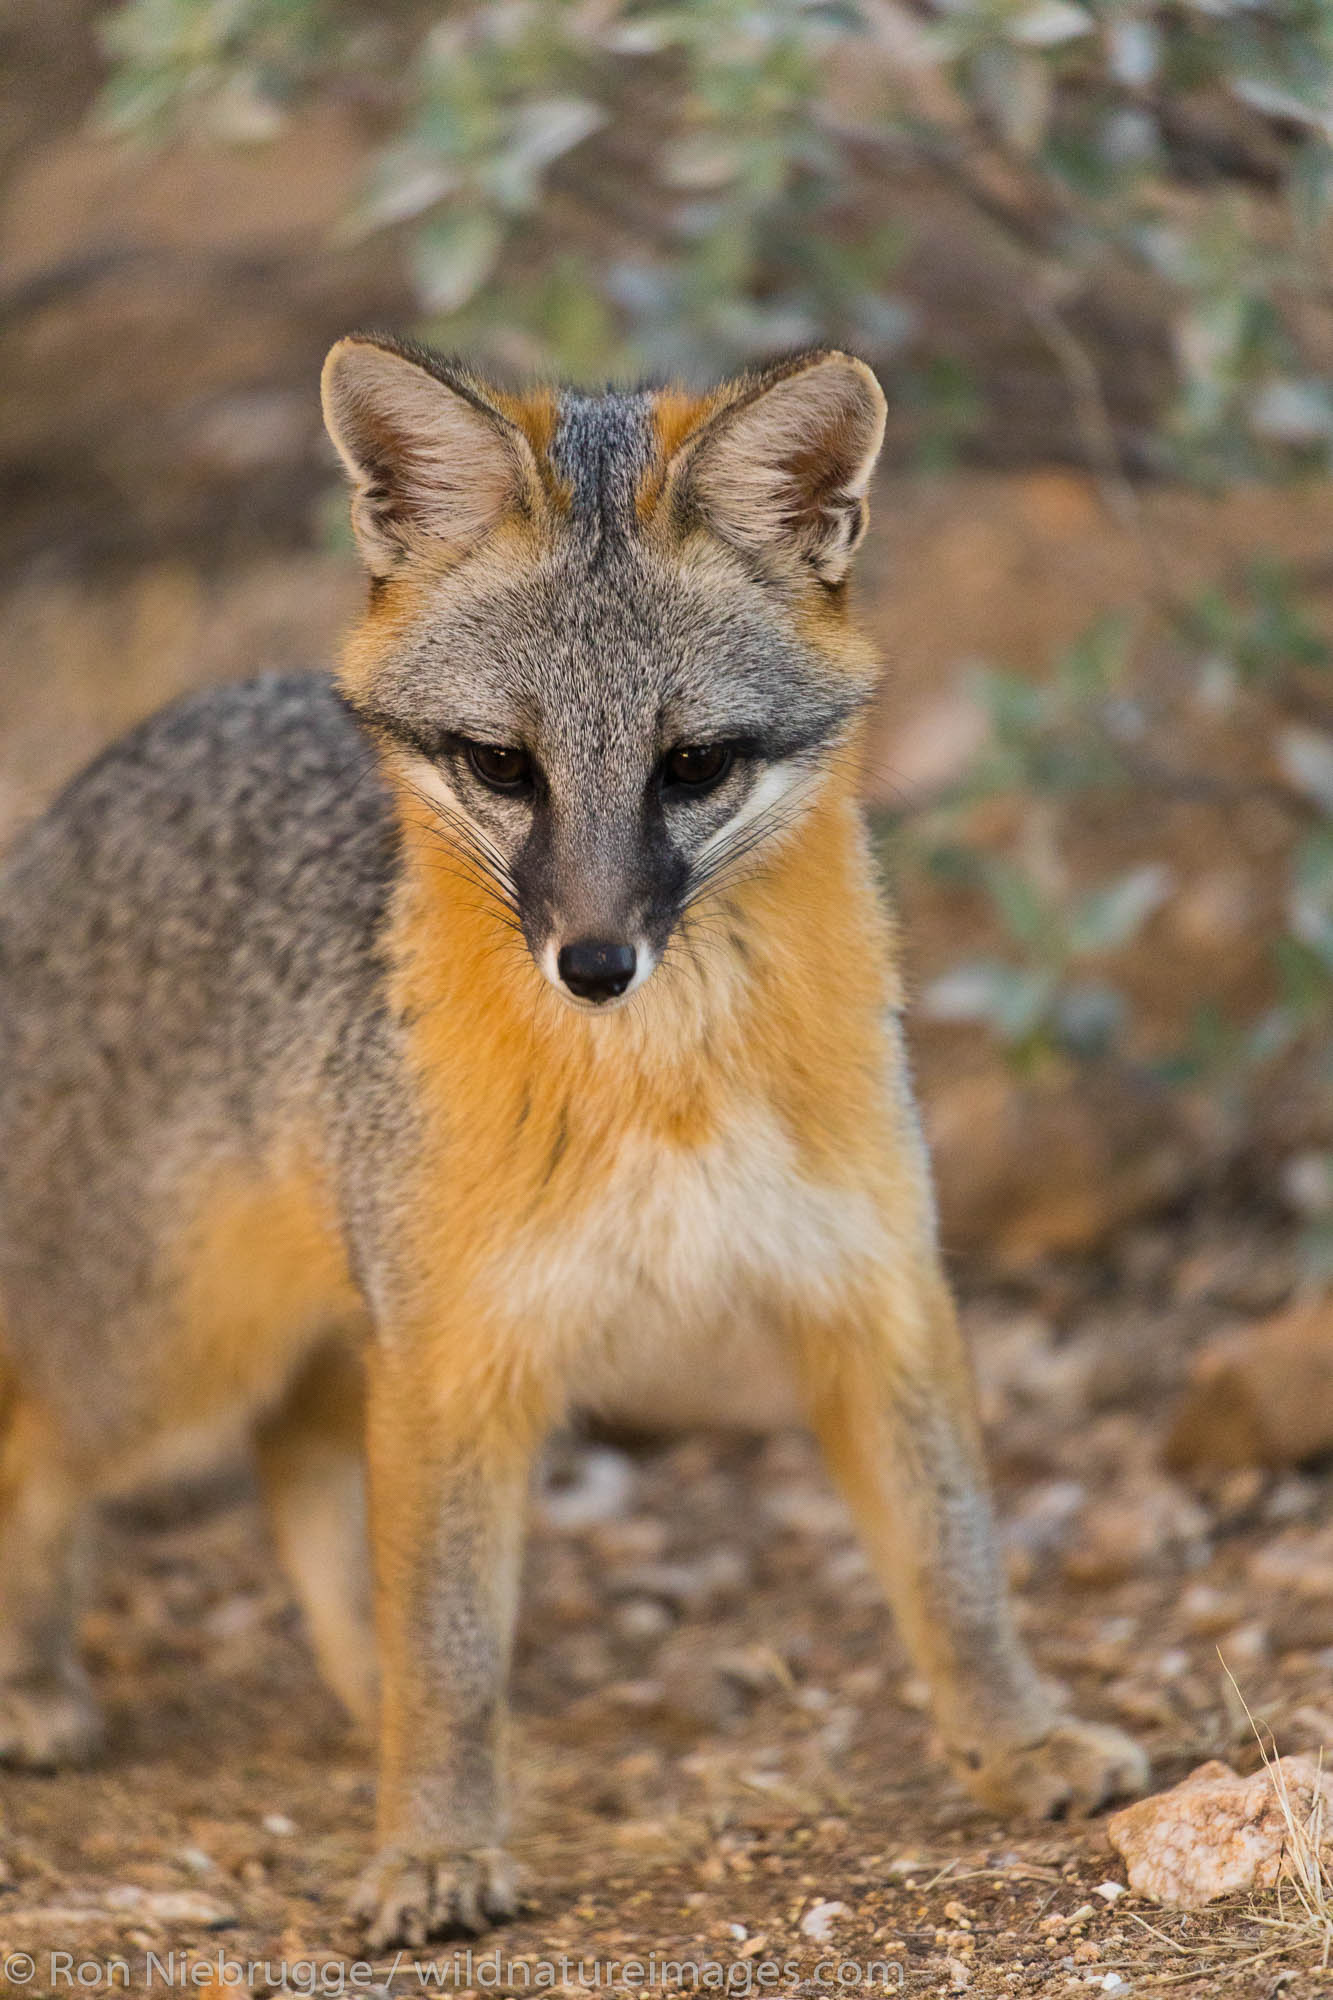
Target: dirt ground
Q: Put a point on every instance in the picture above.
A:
(716, 1729)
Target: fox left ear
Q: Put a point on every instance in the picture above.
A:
(431, 460)
(783, 469)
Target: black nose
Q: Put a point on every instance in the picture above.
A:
(594, 969)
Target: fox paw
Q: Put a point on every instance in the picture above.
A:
(406, 1897)
(1073, 1769)
(46, 1721)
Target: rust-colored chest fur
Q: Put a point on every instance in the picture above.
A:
(715, 1151)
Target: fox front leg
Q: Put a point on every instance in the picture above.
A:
(448, 1489)
(890, 1394)
(902, 1443)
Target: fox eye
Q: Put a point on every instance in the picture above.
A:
(697, 765)
(502, 766)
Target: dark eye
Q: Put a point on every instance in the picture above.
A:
(697, 765)
(501, 766)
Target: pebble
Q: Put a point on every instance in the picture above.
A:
(808, 1510)
(716, 1579)
(596, 1485)
(818, 1921)
(170, 1906)
(640, 1620)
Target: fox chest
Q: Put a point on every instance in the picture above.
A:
(677, 1266)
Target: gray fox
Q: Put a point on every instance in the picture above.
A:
(511, 1027)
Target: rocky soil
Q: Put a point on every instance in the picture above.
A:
(721, 1754)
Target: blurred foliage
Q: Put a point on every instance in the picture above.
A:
(608, 186)
(1242, 691)
(677, 185)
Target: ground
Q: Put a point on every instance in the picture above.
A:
(716, 1730)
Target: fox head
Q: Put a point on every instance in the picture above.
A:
(607, 644)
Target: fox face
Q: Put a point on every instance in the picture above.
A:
(607, 647)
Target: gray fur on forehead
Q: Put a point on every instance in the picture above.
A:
(601, 641)
(602, 447)
(603, 647)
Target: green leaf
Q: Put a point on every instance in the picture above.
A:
(1011, 1000)
(1088, 1016)
(454, 255)
(1018, 902)
(1107, 919)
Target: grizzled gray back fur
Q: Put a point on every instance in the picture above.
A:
(188, 964)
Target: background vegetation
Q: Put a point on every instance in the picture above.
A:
(1088, 232)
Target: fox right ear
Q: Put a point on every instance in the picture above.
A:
(432, 461)
(782, 468)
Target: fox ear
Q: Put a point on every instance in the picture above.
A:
(430, 459)
(783, 470)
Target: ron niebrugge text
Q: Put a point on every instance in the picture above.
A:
(71, 1971)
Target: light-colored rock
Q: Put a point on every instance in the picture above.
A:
(641, 1620)
(1120, 1536)
(818, 1922)
(1260, 1397)
(1028, 1171)
(169, 1906)
(594, 1485)
(1217, 1834)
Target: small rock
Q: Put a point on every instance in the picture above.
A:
(716, 1579)
(594, 1485)
(1045, 1518)
(818, 1921)
(279, 1825)
(1245, 1645)
(638, 1538)
(1261, 1397)
(807, 1510)
(640, 1620)
(758, 1669)
(1208, 1611)
(1302, 1564)
(1118, 1537)
(51, 1919)
(169, 1906)
(1216, 1833)
(234, 1616)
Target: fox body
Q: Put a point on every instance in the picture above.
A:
(512, 1027)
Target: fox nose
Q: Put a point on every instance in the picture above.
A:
(595, 969)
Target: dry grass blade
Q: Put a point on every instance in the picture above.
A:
(1310, 1926)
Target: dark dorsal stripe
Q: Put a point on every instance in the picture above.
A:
(602, 447)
